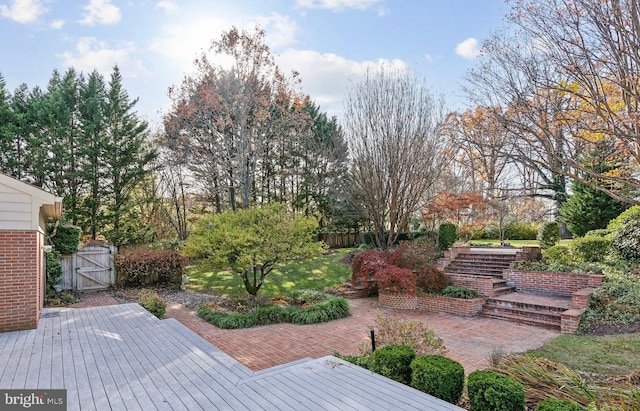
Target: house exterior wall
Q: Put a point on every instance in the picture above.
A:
(21, 279)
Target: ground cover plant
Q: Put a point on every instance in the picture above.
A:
(299, 307)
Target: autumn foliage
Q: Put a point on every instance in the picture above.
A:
(403, 270)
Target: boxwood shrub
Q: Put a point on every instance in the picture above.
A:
(393, 361)
(447, 235)
(459, 292)
(490, 391)
(439, 376)
(590, 249)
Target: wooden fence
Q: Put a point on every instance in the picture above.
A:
(341, 240)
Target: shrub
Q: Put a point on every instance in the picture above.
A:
(616, 301)
(415, 334)
(438, 376)
(153, 303)
(430, 279)
(64, 238)
(601, 232)
(144, 266)
(626, 241)
(393, 361)
(396, 279)
(447, 235)
(518, 230)
(53, 268)
(364, 267)
(630, 214)
(491, 232)
(557, 254)
(332, 309)
(359, 360)
(590, 249)
(548, 235)
(553, 404)
(490, 391)
(459, 292)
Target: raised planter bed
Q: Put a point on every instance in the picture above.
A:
(432, 303)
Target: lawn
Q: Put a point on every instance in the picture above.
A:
(602, 355)
(514, 243)
(309, 274)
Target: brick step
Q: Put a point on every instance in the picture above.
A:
(523, 320)
(546, 315)
(482, 262)
(479, 269)
(501, 290)
(526, 306)
(472, 273)
(485, 257)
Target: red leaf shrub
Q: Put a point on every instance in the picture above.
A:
(429, 278)
(396, 279)
(145, 266)
(406, 256)
(364, 267)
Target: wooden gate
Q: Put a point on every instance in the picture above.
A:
(90, 268)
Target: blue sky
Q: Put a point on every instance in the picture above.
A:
(330, 42)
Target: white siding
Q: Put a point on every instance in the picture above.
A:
(16, 209)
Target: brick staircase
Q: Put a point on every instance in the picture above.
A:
(482, 270)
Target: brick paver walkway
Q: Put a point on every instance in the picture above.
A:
(468, 340)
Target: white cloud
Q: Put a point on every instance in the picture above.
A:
(183, 42)
(169, 6)
(326, 77)
(429, 58)
(22, 11)
(337, 5)
(57, 24)
(100, 12)
(91, 54)
(468, 49)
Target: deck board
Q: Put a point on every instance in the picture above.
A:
(123, 358)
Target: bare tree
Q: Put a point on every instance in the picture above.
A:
(392, 123)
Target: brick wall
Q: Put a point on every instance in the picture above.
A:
(553, 283)
(443, 304)
(21, 279)
(483, 286)
(397, 301)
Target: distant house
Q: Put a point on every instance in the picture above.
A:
(24, 212)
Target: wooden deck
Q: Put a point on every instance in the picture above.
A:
(121, 357)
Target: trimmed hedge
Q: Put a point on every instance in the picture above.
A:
(590, 249)
(490, 391)
(557, 254)
(146, 266)
(439, 376)
(393, 361)
(447, 235)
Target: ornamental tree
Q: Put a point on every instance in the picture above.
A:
(251, 242)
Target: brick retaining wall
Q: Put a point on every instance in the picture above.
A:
(552, 283)
(433, 303)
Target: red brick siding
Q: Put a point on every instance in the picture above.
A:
(21, 279)
(552, 282)
(397, 301)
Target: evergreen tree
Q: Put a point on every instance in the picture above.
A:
(125, 160)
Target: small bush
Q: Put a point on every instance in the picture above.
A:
(153, 303)
(438, 376)
(325, 309)
(589, 249)
(430, 279)
(393, 361)
(553, 404)
(490, 391)
(53, 268)
(144, 266)
(491, 232)
(396, 279)
(520, 231)
(601, 232)
(364, 267)
(626, 241)
(64, 238)
(359, 360)
(459, 292)
(557, 254)
(447, 235)
(548, 235)
(415, 334)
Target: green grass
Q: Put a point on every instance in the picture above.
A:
(602, 355)
(309, 274)
(514, 243)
